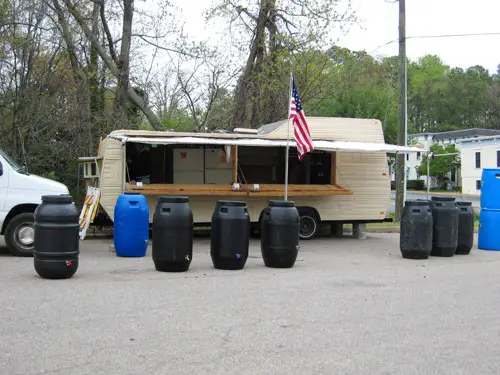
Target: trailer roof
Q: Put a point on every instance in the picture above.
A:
(328, 134)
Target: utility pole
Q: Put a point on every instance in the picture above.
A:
(400, 158)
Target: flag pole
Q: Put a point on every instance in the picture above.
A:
(288, 137)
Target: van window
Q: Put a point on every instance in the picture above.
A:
(9, 161)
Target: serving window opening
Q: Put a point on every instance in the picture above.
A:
(215, 170)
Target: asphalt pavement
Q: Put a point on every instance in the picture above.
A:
(347, 307)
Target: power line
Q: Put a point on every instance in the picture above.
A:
(436, 36)
(451, 35)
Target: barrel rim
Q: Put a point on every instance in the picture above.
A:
(62, 198)
(443, 199)
(131, 193)
(491, 169)
(231, 203)
(281, 203)
(463, 203)
(173, 199)
(417, 202)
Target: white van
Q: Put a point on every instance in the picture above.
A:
(20, 194)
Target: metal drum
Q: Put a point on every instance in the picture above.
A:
(445, 226)
(57, 239)
(280, 228)
(489, 228)
(490, 189)
(465, 228)
(415, 235)
(230, 236)
(172, 234)
(131, 225)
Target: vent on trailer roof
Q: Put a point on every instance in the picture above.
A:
(246, 131)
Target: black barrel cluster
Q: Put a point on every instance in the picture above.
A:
(440, 227)
(230, 237)
(57, 234)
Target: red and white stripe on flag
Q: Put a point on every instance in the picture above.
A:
(300, 128)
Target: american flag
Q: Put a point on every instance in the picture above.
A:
(300, 128)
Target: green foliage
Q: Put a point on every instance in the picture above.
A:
(440, 166)
(415, 185)
(178, 123)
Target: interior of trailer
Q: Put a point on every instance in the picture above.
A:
(157, 169)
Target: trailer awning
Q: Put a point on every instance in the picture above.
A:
(321, 145)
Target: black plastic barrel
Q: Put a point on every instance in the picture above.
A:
(465, 240)
(172, 234)
(445, 226)
(415, 235)
(230, 236)
(57, 242)
(279, 241)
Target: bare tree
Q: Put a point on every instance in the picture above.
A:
(203, 86)
(119, 66)
(276, 28)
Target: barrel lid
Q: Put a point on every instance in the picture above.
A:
(232, 203)
(417, 202)
(281, 203)
(491, 170)
(443, 199)
(173, 199)
(63, 198)
(462, 203)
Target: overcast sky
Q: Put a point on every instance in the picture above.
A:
(424, 17)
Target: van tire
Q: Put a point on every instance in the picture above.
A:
(24, 221)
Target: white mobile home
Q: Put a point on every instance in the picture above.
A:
(345, 180)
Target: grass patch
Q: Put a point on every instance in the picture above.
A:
(382, 225)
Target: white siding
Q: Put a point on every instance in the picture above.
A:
(471, 174)
(330, 128)
(111, 175)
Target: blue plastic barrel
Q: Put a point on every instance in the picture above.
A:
(490, 188)
(131, 225)
(489, 227)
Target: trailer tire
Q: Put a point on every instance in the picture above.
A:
(20, 235)
(308, 225)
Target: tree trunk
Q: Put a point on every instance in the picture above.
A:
(132, 95)
(239, 118)
(83, 117)
(123, 63)
(96, 110)
(257, 79)
(274, 106)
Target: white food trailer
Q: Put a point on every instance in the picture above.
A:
(345, 180)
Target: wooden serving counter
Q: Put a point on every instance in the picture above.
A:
(264, 190)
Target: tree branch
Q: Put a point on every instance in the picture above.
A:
(142, 37)
(107, 31)
(134, 97)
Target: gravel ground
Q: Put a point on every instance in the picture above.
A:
(347, 307)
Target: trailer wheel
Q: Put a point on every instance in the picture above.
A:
(20, 235)
(308, 226)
